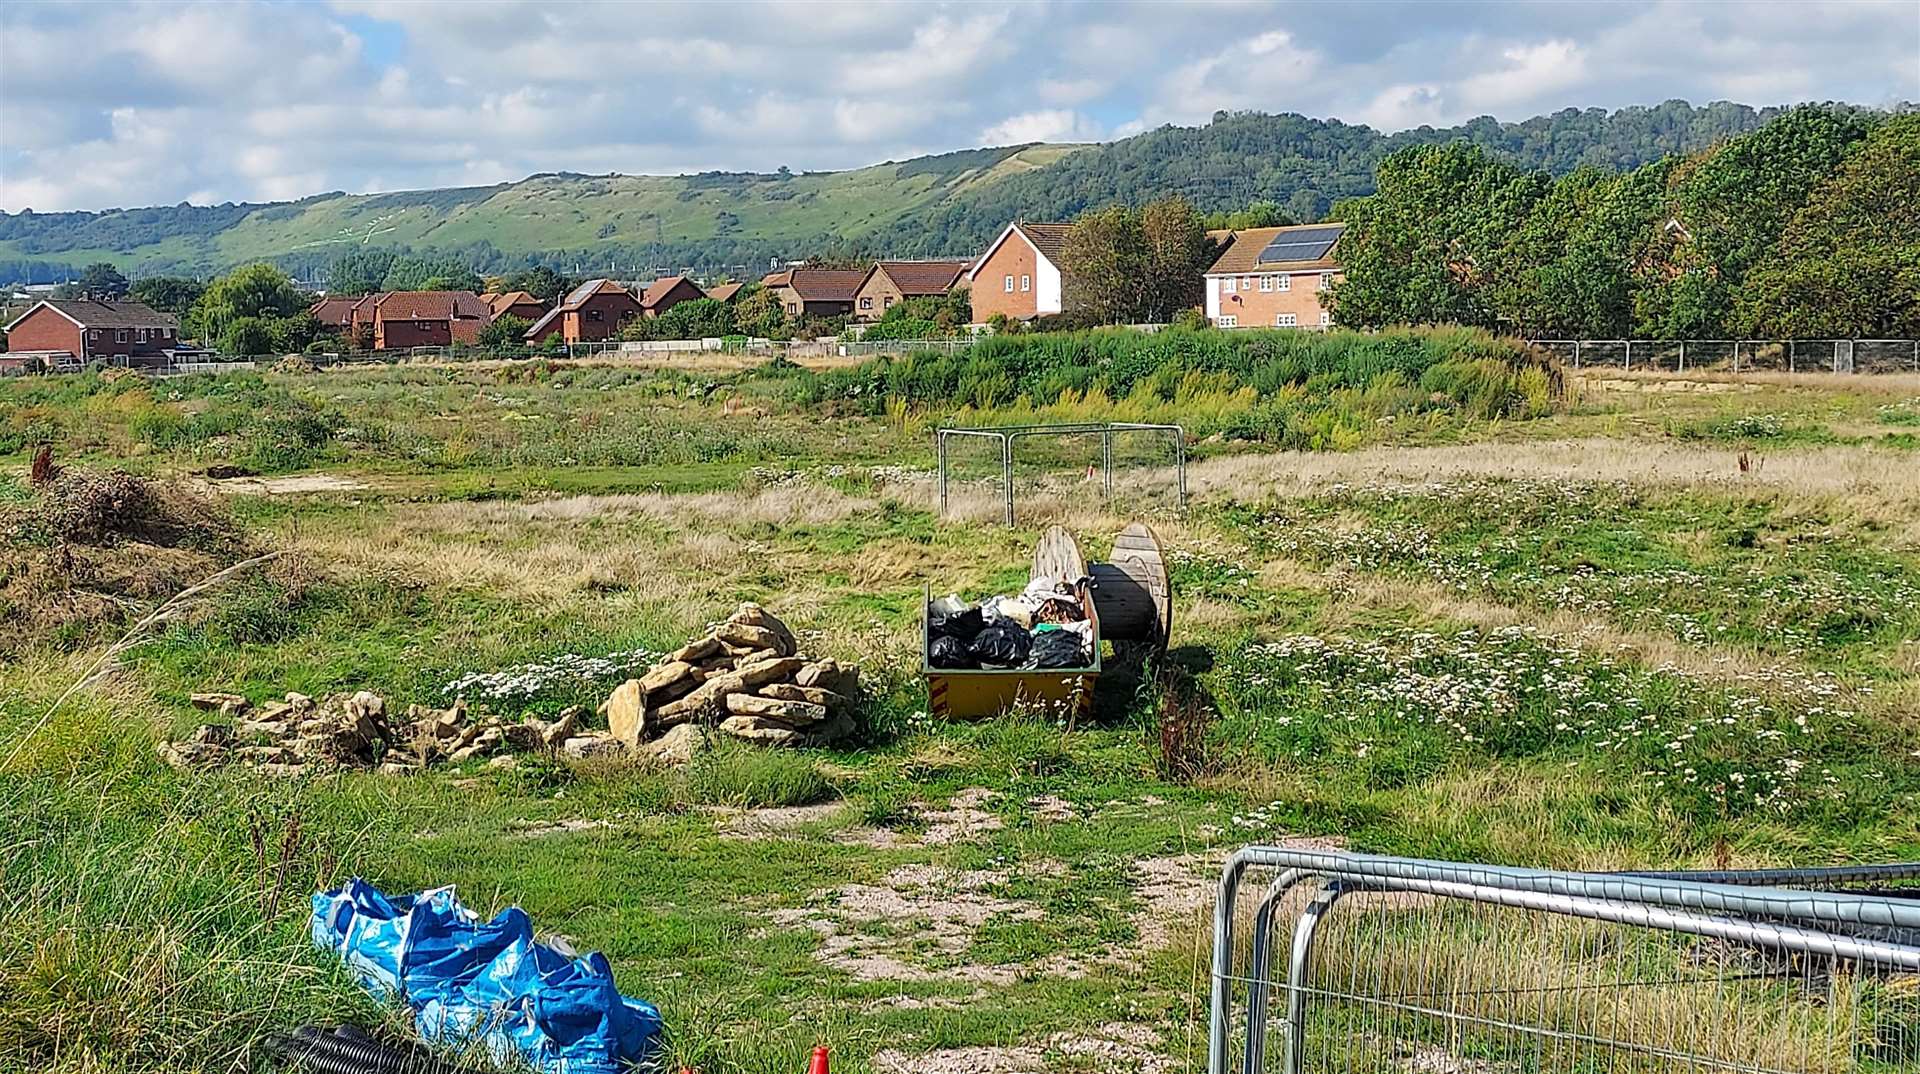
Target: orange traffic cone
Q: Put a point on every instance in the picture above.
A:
(819, 1063)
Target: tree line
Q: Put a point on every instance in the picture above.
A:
(1807, 227)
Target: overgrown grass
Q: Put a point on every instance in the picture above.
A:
(731, 774)
(1387, 721)
(1294, 389)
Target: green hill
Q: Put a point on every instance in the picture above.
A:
(946, 204)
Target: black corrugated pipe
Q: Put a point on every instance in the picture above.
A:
(348, 1050)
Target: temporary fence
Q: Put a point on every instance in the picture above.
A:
(1738, 355)
(1407, 965)
(1008, 436)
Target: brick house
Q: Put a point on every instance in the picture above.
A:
(120, 330)
(594, 311)
(1019, 275)
(403, 319)
(889, 283)
(817, 292)
(334, 314)
(519, 304)
(667, 292)
(1274, 277)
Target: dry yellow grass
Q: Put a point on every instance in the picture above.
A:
(784, 505)
(1879, 482)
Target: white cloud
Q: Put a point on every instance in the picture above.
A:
(106, 104)
(1046, 125)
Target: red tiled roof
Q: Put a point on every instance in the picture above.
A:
(923, 277)
(723, 292)
(826, 285)
(431, 306)
(501, 303)
(587, 290)
(335, 311)
(108, 313)
(660, 288)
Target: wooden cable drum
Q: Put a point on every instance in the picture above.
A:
(1132, 594)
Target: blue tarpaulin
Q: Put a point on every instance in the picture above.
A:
(468, 980)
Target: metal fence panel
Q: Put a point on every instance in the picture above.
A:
(1867, 356)
(1363, 963)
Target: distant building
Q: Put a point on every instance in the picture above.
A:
(121, 330)
(667, 292)
(519, 304)
(1275, 277)
(723, 292)
(889, 283)
(594, 311)
(1020, 275)
(403, 319)
(335, 314)
(817, 292)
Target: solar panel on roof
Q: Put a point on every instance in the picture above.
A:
(1306, 244)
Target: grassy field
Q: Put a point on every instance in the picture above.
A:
(1629, 622)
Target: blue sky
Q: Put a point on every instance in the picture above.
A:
(106, 104)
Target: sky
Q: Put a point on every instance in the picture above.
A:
(108, 104)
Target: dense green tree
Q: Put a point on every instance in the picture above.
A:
(257, 291)
(1258, 214)
(700, 318)
(1178, 254)
(168, 294)
(360, 271)
(246, 337)
(292, 333)
(539, 281)
(415, 273)
(1848, 264)
(757, 312)
(1105, 262)
(100, 279)
(1432, 244)
(506, 332)
(1726, 207)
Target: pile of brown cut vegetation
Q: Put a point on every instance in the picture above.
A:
(82, 552)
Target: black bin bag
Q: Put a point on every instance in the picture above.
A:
(950, 652)
(1001, 644)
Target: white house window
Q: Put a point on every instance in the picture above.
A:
(93, 334)
(119, 335)
(1246, 283)
(1009, 284)
(887, 302)
(1326, 280)
(866, 302)
(1285, 320)
(593, 315)
(139, 335)
(1266, 283)
(1026, 283)
(1326, 318)
(168, 332)
(1231, 284)
(1283, 283)
(1229, 321)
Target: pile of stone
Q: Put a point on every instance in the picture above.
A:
(355, 731)
(747, 679)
